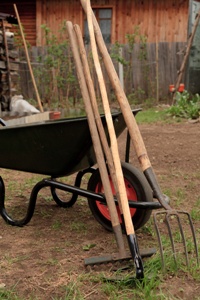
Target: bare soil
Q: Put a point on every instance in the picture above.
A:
(43, 258)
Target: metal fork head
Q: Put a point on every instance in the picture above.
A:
(170, 218)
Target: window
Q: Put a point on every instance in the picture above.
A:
(104, 18)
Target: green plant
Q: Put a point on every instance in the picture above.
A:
(55, 74)
(78, 226)
(88, 247)
(57, 225)
(8, 295)
(116, 53)
(137, 43)
(186, 106)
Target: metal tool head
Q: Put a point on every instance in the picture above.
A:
(173, 224)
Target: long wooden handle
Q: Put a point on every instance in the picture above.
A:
(96, 142)
(129, 118)
(122, 99)
(28, 59)
(95, 108)
(111, 130)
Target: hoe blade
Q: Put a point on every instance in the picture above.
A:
(172, 222)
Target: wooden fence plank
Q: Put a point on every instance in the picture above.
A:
(139, 73)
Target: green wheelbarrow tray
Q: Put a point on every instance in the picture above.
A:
(56, 148)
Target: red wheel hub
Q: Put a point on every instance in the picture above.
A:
(131, 194)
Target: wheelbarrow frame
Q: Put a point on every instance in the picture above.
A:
(22, 139)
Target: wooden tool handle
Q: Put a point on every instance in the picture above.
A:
(121, 97)
(28, 59)
(96, 142)
(111, 130)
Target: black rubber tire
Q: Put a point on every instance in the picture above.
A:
(135, 181)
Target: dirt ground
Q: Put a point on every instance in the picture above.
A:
(44, 257)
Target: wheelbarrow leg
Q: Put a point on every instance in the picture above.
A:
(30, 209)
(74, 197)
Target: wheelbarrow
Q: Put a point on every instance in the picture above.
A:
(60, 148)
(64, 147)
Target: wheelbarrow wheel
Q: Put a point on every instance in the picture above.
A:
(137, 189)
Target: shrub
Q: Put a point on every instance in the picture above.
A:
(186, 106)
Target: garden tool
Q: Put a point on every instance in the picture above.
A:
(123, 200)
(96, 142)
(105, 145)
(136, 137)
(122, 256)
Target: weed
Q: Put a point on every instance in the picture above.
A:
(78, 226)
(88, 247)
(52, 262)
(57, 225)
(195, 212)
(8, 295)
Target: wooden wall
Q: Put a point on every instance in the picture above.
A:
(27, 13)
(165, 20)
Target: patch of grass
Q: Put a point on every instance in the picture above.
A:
(195, 212)
(52, 262)
(48, 199)
(45, 213)
(180, 196)
(78, 226)
(11, 260)
(57, 225)
(88, 247)
(153, 115)
(8, 295)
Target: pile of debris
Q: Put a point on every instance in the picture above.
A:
(9, 66)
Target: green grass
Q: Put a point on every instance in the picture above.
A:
(155, 115)
(195, 212)
(121, 284)
(8, 295)
(78, 226)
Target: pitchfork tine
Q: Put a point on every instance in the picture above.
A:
(168, 214)
(193, 235)
(171, 236)
(159, 240)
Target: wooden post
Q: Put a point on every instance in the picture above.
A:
(189, 45)
(28, 59)
(157, 70)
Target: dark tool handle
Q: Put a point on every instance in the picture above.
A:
(2, 122)
(133, 245)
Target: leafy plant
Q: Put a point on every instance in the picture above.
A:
(56, 71)
(186, 106)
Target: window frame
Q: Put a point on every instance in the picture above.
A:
(112, 7)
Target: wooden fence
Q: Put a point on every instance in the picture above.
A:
(147, 73)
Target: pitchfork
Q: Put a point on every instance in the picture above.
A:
(171, 215)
